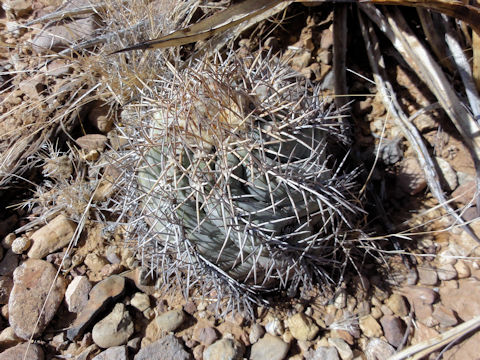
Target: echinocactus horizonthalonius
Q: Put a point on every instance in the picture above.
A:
(238, 189)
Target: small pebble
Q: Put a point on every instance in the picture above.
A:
(224, 349)
(393, 328)
(256, 332)
(427, 275)
(342, 347)
(269, 347)
(463, 271)
(275, 327)
(370, 327)
(20, 245)
(446, 272)
(302, 327)
(444, 315)
(77, 292)
(8, 240)
(377, 349)
(171, 320)
(115, 329)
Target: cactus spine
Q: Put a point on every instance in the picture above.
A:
(238, 188)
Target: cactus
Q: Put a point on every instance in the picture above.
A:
(238, 187)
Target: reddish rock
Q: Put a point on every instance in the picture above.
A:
(444, 316)
(465, 193)
(419, 294)
(424, 314)
(464, 299)
(205, 335)
(393, 328)
(411, 177)
(427, 275)
(422, 333)
(18, 352)
(468, 349)
(31, 284)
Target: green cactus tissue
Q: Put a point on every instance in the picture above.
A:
(241, 184)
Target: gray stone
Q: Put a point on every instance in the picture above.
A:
(322, 353)
(224, 349)
(17, 352)
(113, 353)
(134, 344)
(111, 253)
(32, 281)
(114, 329)
(269, 347)
(101, 295)
(171, 320)
(167, 348)
(77, 292)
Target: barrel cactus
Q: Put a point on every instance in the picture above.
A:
(239, 178)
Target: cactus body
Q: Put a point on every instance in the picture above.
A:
(236, 181)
